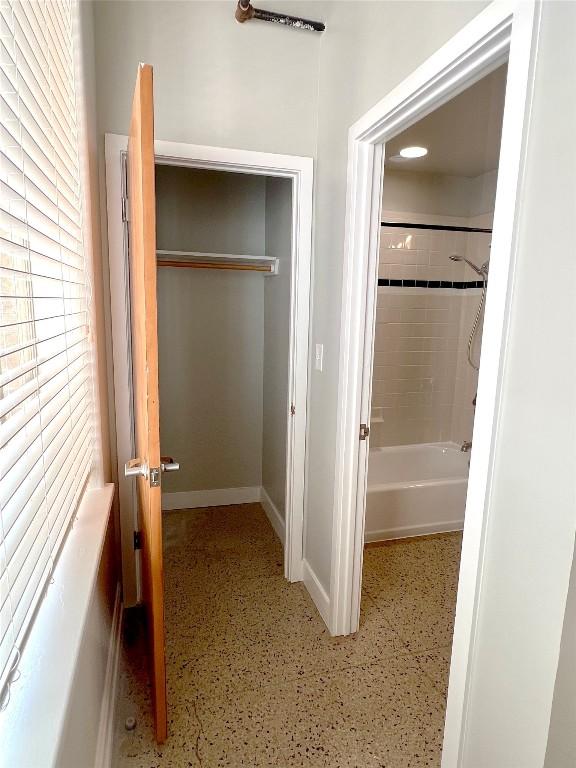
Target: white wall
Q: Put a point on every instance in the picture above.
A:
(79, 739)
(276, 341)
(529, 542)
(210, 330)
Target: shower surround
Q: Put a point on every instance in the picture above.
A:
(422, 385)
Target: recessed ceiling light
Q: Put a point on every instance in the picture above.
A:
(411, 152)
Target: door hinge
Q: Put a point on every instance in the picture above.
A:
(154, 477)
(124, 209)
(364, 431)
(137, 539)
(292, 410)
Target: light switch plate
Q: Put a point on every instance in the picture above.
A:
(319, 358)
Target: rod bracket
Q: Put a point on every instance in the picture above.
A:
(244, 12)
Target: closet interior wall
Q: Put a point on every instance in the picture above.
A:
(222, 337)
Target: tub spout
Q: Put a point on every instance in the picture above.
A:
(466, 446)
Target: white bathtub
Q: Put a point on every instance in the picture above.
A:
(414, 490)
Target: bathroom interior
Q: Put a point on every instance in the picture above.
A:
(437, 214)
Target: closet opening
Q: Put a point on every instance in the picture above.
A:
(224, 284)
(233, 248)
(209, 254)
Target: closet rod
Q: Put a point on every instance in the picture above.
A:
(242, 262)
(212, 265)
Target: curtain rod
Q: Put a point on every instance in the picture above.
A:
(246, 11)
(447, 227)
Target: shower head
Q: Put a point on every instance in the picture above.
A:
(482, 271)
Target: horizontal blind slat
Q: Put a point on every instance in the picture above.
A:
(43, 467)
(18, 438)
(60, 523)
(33, 343)
(31, 159)
(48, 367)
(46, 364)
(46, 410)
(27, 234)
(30, 21)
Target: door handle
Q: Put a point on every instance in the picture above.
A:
(167, 464)
(135, 468)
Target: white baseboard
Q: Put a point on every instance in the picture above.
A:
(406, 531)
(218, 497)
(276, 520)
(107, 711)
(317, 592)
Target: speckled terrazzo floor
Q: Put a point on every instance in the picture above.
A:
(254, 679)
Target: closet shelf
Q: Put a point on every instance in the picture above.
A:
(236, 261)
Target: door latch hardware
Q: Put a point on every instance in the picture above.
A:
(154, 477)
(364, 431)
(292, 410)
(137, 539)
(135, 468)
(167, 464)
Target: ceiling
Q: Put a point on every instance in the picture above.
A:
(462, 136)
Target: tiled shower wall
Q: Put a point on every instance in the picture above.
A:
(423, 387)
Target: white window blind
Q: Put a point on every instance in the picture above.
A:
(45, 355)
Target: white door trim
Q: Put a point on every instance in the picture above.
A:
(300, 171)
(504, 31)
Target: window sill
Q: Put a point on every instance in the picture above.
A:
(31, 724)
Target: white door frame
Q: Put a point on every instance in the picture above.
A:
(502, 32)
(300, 171)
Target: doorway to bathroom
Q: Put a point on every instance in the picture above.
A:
(438, 201)
(499, 36)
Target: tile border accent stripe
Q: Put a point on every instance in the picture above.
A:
(384, 282)
(444, 227)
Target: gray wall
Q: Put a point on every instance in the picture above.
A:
(261, 87)
(276, 340)
(216, 82)
(210, 330)
(439, 193)
(561, 749)
(369, 48)
(209, 211)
